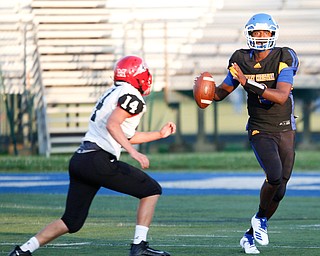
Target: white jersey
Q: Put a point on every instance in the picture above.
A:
(128, 98)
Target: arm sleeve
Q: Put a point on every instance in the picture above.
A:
(230, 81)
(288, 65)
(131, 103)
(229, 78)
(286, 75)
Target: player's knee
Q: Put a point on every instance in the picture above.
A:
(75, 228)
(73, 225)
(274, 181)
(150, 190)
(157, 190)
(154, 189)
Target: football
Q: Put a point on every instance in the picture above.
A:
(203, 89)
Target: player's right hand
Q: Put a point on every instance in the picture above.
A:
(237, 73)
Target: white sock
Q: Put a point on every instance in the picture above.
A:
(140, 234)
(31, 245)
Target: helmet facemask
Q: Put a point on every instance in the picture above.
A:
(144, 79)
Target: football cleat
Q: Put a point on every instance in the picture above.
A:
(248, 245)
(260, 232)
(143, 249)
(18, 252)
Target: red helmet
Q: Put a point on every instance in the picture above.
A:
(133, 70)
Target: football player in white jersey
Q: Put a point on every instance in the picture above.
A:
(112, 127)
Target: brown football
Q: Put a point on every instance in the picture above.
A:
(203, 89)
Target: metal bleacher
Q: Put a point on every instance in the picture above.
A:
(79, 41)
(73, 45)
(77, 57)
(22, 93)
(299, 28)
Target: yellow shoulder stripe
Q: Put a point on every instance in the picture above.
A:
(282, 65)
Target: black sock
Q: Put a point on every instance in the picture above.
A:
(250, 231)
(261, 213)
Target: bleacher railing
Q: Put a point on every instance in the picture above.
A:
(24, 118)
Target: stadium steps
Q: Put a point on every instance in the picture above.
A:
(79, 44)
(299, 29)
(20, 65)
(178, 41)
(77, 55)
(79, 41)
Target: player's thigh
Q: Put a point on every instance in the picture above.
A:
(266, 150)
(80, 195)
(132, 181)
(101, 168)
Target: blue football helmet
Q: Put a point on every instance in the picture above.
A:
(261, 21)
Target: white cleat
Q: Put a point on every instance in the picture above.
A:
(260, 232)
(248, 245)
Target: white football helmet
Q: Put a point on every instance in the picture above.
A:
(261, 21)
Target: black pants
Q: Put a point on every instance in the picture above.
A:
(91, 171)
(275, 153)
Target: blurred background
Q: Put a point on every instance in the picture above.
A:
(57, 58)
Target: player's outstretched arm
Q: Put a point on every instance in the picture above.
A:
(143, 137)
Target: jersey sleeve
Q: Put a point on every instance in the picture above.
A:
(230, 81)
(288, 65)
(131, 103)
(289, 60)
(229, 78)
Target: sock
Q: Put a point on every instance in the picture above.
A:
(261, 213)
(31, 245)
(250, 231)
(140, 234)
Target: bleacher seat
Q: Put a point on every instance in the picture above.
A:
(77, 54)
(79, 42)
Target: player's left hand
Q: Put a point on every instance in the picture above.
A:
(168, 129)
(237, 74)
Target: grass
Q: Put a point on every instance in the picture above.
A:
(213, 161)
(183, 225)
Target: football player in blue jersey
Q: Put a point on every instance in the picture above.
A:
(266, 73)
(96, 163)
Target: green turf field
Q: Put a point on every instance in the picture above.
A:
(183, 225)
(212, 161)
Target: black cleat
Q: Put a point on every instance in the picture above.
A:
(18, 252)
(143, 249)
